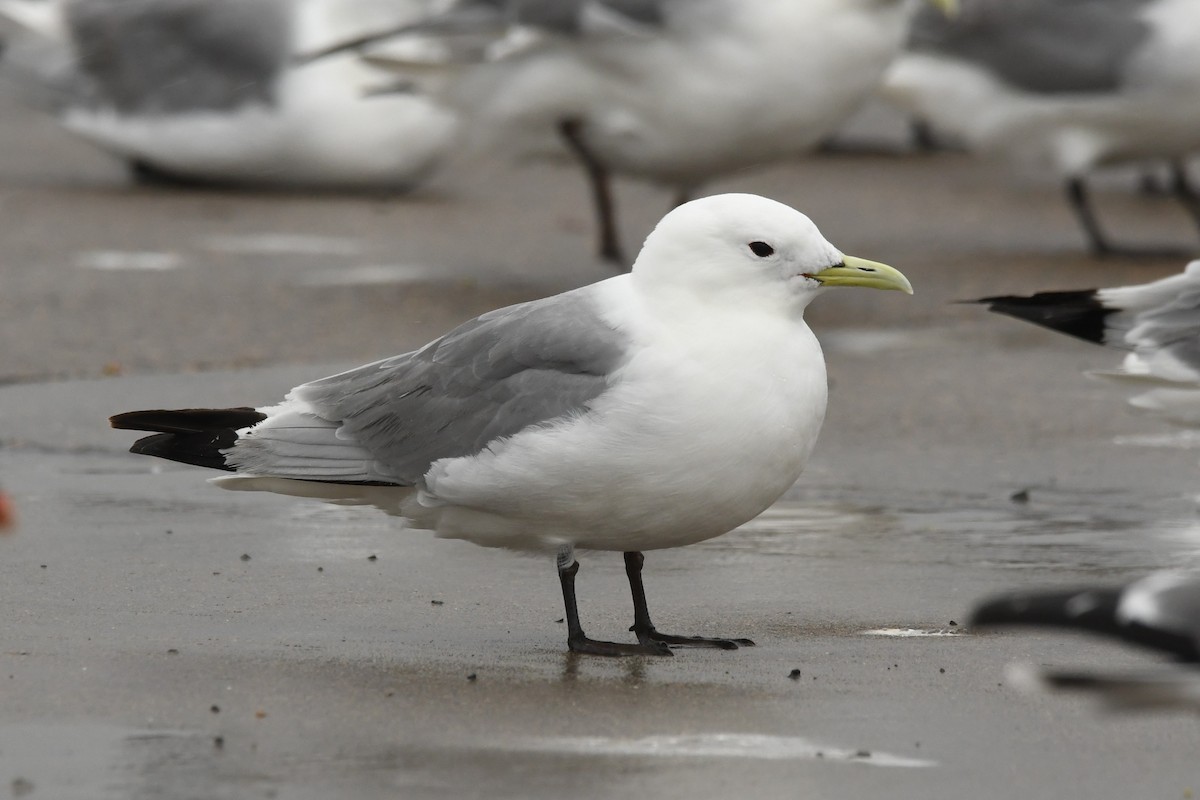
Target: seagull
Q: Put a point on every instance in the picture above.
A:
(1160, 611)
(1157, 322)
(1065, 85)
(675, 92)
(655, 409)
(206, 91)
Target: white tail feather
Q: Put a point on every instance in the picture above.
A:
(385, 498)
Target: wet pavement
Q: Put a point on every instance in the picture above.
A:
(162, 638)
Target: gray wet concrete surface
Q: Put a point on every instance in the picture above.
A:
(162, 638)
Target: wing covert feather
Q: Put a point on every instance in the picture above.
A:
(488, 379)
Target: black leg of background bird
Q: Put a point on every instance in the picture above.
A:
(578, 642)
(1077, 196)
(1150, 181)
(922, 137)
(144, 173)
(644, 628)
(1184, 192)
(609, 247)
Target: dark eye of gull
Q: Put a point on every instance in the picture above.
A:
(761, 249)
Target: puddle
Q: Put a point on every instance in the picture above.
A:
(284, 244)
(324, 532)
(712, 745)
(798, 529)
(1051, 528)
(116, 260)
(92, 761)
(910, 633)
(95, 761)
(1172, 440)
(370, 275)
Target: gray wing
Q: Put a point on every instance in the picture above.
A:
(572, 16)
(569, 17)
(469, 27)
(180, 55)
(488, 379)
(1041, 46)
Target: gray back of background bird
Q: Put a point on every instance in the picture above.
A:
(165, 56)
(1041, 46)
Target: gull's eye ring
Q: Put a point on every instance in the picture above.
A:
(761, 249)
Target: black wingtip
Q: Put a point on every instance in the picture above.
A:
(1092, 610)
(197, 449)
(1089, 609)
(1181, 647)
(1078, 313)
(187, 420)
(190, 435)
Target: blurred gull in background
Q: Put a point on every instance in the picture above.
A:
(676, 92)
(207, 90)
(1066, 85)
(1158, 322)
(1160, 611)
(655, 409)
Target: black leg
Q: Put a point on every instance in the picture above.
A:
(923, 139)
(1149, 182)
(644, 628)
(609, 244)
(1078, 198)
(577, 642)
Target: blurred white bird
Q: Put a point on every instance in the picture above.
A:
(676, 92)
(1157, 322)
(1064, 85)
(207, 90)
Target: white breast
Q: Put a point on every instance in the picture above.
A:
(700, 433)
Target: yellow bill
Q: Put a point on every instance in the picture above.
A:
(861, 272)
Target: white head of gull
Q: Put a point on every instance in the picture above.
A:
(651, 410)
